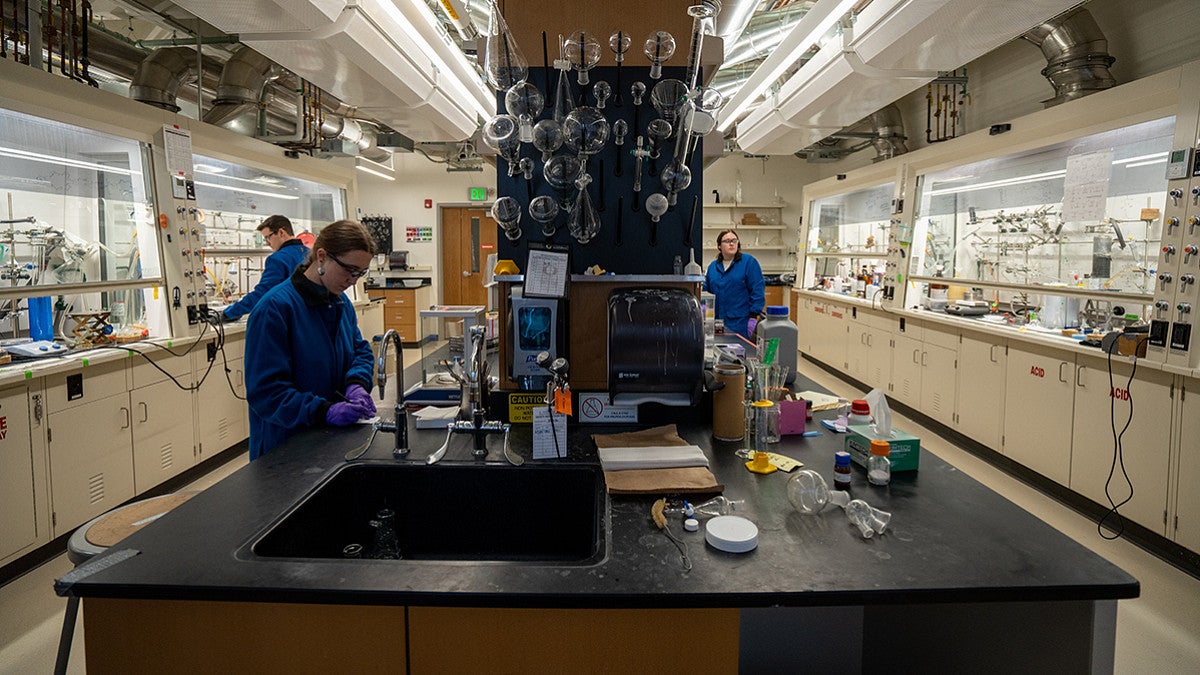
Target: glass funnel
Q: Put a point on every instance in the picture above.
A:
(502, 134)
(561, 172)
(502, 59)
(582, 49)
(506, 211)
(584, 223)
(547, 137)
(668, 97)
(585, 130)
(659, 47)
(563, 101)
(544, 210)
(525, 102)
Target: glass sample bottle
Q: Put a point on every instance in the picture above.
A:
(841, 470)
(879, 466)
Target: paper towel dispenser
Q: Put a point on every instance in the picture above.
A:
(655, 346)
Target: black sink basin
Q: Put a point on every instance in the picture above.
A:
(527, 514)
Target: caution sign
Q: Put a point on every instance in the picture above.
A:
(520, 406)
(597, 408)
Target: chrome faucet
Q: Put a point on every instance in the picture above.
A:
(472, 410)
(399, 423)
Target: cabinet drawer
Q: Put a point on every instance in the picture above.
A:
(401, 298)
(88, 383)
(394, 315)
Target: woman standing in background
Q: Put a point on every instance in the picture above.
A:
(736, 279)
(307, 364)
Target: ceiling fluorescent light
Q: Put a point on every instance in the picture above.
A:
(231, 188)
(461, 93)
(808, 30)
(64, 161)
(1148, 162)
(380, 169)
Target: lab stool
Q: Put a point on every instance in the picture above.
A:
(94, 537)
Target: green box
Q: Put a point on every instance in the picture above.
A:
(905, 452)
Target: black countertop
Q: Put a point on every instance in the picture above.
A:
(950, 540)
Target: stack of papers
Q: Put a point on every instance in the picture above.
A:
(818, 401)
(652, 457)
(434, 417)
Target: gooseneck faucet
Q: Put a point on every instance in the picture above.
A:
(399, 422)
(472, 412)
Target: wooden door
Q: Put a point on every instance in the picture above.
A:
(468, 238)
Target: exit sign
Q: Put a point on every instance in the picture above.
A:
(477, 194)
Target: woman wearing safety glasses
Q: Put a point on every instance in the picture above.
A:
(736, 279)
(307, 364)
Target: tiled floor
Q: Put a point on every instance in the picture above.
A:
(1158, 632)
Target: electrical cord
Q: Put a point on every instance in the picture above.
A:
(1118, 450)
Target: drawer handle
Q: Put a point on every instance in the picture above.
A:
(915, 352)
(145, 411)
(1060, 372)
(1078, 372)
(127, 418)
(992, 353)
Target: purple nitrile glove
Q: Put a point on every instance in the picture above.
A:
(355, 393)
(750, 327)
(344, 414)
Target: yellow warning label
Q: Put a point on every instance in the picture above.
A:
(450, 12)
(520, 407)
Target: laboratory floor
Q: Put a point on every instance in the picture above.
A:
(1153, 633)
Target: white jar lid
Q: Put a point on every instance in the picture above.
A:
(732, 534)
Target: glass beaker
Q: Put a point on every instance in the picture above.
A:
(762, 427)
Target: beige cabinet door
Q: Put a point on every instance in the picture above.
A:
(835, 336)
(1145, 445)
(1187, 507)
(806, 322)
(979, 413)
(1039, 404)
(906, 370)
(163, 433)
(91, 465)
(857, 350)
(939, 382)
(879, 358)
(222, 418)
(18, 513)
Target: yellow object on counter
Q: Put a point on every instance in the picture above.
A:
(761, 464)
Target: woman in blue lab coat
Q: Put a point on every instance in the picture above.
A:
(736, 279)
(307, 364)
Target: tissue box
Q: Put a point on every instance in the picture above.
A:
(905, 448)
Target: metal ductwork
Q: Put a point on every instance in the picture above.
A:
(245, 75)
(885, 134)
(732, 18)
(888, 127)
(158, 77)
(763, 33)
(1077, 53)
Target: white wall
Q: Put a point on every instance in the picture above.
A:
(418, 179)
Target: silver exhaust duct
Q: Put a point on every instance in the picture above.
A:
(1077, 55)
(885, 134)
(157, 78)
(243, 79)
(888, 127)
(763, 33)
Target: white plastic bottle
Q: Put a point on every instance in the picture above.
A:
(778, 325)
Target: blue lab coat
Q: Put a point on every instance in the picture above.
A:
(740, 291)
(303, 348)
(276, 269)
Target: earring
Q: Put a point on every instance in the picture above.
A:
(321, 270)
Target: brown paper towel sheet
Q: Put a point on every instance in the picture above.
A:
(687, 480)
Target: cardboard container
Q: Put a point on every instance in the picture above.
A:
(905, 451)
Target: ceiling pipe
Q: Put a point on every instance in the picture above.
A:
(243, 79)
(763, 33)
(884, 131)
(1077, 55)
(159, 76)
(729, 23)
